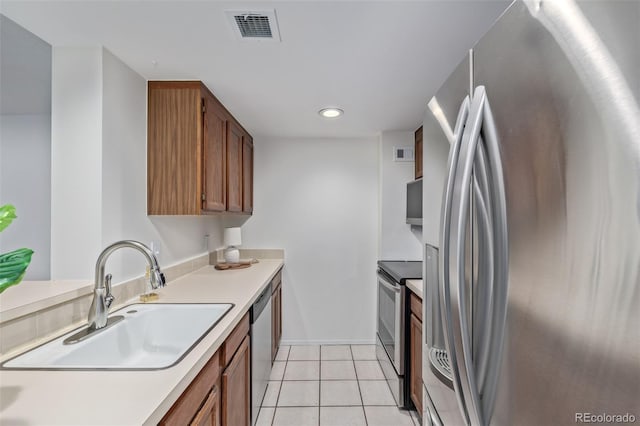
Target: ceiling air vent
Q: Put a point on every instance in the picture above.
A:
(260, 25)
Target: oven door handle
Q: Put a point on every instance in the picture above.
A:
(398, 351)
(387, 284)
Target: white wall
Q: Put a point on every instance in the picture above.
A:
(318, 199)
(25, 143)
(100, 169)
(25, 170)
(397, 241)
(76, 165)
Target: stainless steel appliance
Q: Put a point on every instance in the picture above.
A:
(414, 202)
(536, 268)
(260, 319)
(390, 325)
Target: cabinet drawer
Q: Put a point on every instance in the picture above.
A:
(416, 306)
(234, 340)
(181, 413)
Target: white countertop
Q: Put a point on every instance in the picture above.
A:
(35, 295)
(415, 286)
(133, 397)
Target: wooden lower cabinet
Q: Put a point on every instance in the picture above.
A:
(415, 352)
(276, 314)
(236, 388)
(209, 413)
(203, 392)
(220, 395)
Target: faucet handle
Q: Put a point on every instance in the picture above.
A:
(109, 298)
(157, 279)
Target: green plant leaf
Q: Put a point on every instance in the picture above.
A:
(13, 265)
(7, 214)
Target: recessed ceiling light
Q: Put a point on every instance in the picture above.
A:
(331, 112)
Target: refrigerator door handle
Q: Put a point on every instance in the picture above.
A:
(485, 283)
(444, 261)
(491, 354)
(478, 376)
(459, 322)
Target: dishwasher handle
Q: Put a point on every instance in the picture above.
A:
(261, 302)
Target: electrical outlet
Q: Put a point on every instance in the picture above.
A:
(206, 242)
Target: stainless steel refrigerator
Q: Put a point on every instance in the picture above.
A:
(531, 211)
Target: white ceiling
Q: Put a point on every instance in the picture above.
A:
(378, 60)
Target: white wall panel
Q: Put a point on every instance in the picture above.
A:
(318, 200)
(397, 241)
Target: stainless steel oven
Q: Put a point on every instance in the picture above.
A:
(392, 310)
(390, 332)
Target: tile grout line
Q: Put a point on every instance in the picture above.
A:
(358, 380)
(286, 364)
(286, 361)
(353, 359)
(319, 380)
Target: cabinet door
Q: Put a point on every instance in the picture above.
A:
(209, 413)
(214, 161)
(247, 174)
(236, 392)
(174, 148)
(234, 167)
(415, 350)
(279, 328)
(276, 322)
(418, 152)
(202, 392)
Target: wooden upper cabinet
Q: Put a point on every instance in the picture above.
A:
(418, 152)
(234, 167)
(247, 173)
(194, 152)
(215, 152)
(174, 148)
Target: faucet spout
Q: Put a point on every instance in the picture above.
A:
(102, 296)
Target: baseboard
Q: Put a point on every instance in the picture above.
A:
(327, 342)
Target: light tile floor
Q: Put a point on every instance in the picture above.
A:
(332, 385)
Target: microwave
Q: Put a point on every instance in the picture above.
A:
(414, 202)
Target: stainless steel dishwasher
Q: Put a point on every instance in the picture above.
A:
(260, 350)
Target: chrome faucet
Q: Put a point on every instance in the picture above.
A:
(102, 297)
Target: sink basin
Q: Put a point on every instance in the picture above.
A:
(150, 337)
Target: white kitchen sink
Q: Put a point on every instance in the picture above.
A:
(151, 336)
